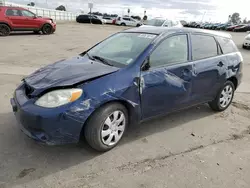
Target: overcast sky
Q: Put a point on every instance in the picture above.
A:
(214, 10)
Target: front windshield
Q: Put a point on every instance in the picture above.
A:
(155, 22)
(122, 48)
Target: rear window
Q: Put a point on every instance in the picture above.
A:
(227, 45)
(203, 46)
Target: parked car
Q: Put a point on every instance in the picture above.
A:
(162, 22)
(21, 19)
(130, 77)
(87, 18)
(109, 20)
(207, 26)
(243, 28)
(246, 43)
(223, 26)
(127, 21)
(231, 28)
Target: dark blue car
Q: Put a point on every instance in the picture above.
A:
(130, 77)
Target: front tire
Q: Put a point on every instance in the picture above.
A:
(224, 97)
(47, 29)
(106, 127)
(4, 30)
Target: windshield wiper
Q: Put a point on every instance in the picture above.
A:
(104, 61)
(89, 56)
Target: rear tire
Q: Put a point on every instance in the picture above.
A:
(47, 29)
(243, 46)
(4, 30)
(224, 97)
(106, 126)
(123, 24)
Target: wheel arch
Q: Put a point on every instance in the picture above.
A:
(6, 24)
(234, 80)
(133, 113)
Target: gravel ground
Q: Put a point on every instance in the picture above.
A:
(192, 148)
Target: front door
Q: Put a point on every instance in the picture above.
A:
(30, 20)
(166, 83)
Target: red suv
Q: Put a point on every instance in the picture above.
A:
(21, 19)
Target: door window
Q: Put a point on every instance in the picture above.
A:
(27, 13)
(172, 50)
(203, 47)
(13, 12)
(227, 45)
(127, 19)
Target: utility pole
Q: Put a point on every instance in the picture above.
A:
(203, 16)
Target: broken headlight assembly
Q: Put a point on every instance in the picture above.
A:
(59, 97)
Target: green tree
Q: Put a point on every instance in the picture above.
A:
(61, 8)
(235, 18)
(32, 4)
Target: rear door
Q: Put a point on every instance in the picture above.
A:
(167, 84)
(15, 17)
(209, 67)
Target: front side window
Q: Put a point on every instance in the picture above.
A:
(203, 47)
(27, 13)
(127, 19)
(122, 48)
(171, 51)
(13, 12)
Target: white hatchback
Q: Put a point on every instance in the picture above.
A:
(246, 43)
(162, 22)
(127, 21)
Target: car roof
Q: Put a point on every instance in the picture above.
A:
(165, 30)
(21, 8)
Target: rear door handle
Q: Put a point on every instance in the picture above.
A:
(220, 64)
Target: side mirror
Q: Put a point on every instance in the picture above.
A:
(146, 65)
(35, 17)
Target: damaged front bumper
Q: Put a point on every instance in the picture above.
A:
(50, 126)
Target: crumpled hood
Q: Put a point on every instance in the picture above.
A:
(67, 72)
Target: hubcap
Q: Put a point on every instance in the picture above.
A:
(226, 96)
(113, 128)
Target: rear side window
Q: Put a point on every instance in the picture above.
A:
(203, 46)
(227, 45)
(13, 12)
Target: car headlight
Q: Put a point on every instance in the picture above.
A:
(50, 21)
(59, 97)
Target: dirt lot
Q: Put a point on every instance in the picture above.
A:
(191, 148)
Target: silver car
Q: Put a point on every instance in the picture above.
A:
(162, 22)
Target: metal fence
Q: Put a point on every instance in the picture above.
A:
(54, 14)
